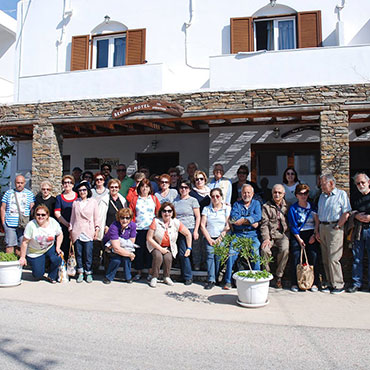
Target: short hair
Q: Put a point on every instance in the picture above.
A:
(328, 177)
(216, 189)
(243, 167)
(301, 187)
(98, 174)
(76, 169)
(165, 176)
(106, 165)
(199, 172)
(87, 186)
(68, 177)
(139, 176)
(124, 212)
(174, 169)
(194, 163)
(112, 181)
(247, 185)
(163, 206)
(361, 173)
(218, 165)
(44, 207)
(46, 182)
(142, 183)
(285, 181)
(88, 173)
(276, 185)
(186, 182)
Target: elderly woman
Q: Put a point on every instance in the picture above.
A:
(302, 219)
(166, 194)
(63, 210)
(214, 225)
(121, 238)
(99, 191)
(42, 239)
(161, 242)
(45, 197)
(187, 210)
(290, 182)
(84, 228)
(144, 207)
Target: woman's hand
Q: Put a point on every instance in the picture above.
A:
(187, 253)
(96, 234)
(132, 256)
(195, 235)
(23, 261)
(301, 243)
(58, 250)
(164, 250)
(106, 228)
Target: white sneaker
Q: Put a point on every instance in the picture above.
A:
(314, 288)
(168, 281)
(153, 282)
(149, 277)
(294, 288)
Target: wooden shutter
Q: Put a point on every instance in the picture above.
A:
(309, 29)
(80, 52)
(135, 52)
(241, 34)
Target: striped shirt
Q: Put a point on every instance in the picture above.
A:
(25, 199)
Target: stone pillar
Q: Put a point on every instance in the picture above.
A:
(334, 145)
(47, 163)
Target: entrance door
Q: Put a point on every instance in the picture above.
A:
(158, 163)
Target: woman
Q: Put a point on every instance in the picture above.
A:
(120, 238)
(84, 228)
(302, 219)
(187, 210)
(290, 182)
(161, 242)
(132, 192)
(63, 210)
(166, 194)
(45, 197)
(242, 174)
(42, 239)
(200, 190)
(99, 191)
(214, 225)
(144, 206)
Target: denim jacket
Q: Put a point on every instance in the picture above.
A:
(253, 214)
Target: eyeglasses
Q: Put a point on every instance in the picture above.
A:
(361, 183)
(125, 218)
(303, 193)
(45, 189)
(122, 170)
(67, 182)
(114, 187)
(82, 190)
(41, 214)
(184, 187)
(167, 211)
(164, 182)
(215, 196)
(199, 179)
(99, 179)
(242, 173)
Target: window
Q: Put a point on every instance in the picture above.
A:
(275, 34)
(109, 51)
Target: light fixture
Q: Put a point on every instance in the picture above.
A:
(276, 132)
(154, 144)
(107, 19)
(272, 3)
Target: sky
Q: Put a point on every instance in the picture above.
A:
(9, 7)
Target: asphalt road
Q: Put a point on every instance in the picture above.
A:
(43, 336)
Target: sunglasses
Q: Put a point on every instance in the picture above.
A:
(167, 211)
(199, 179)
(45, 189)
(114, 187)
(41, 214)
(184, 187)
(215, 196)
(99, 179)
(67, 182)
(361, 183)
(125, 218)
(164, 182)
(82, 190)
(303, 193)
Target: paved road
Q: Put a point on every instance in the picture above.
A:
(124, 326)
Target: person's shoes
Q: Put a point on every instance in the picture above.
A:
(168, 281)
(337, 291)
(153, 282)
(188, 282)
(89, 278)
(51, 281)
(294, 288)
(209, 285)
(149, 277)
(106, 281)
(353, 289)
(278, 284)
(80, 278)
(314, 288)
(325, 290)
(227, 286)
(137, 277)
(196, 268)
(129, 281)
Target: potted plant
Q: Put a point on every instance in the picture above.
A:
(252, 285)
(10, 270)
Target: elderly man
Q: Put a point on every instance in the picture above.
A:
(361, 207)
(219, 181)
(14, 203)
(333, 212)
(126, 182)
(245, 216)
(275, 231)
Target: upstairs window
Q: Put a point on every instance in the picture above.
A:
(109, 51)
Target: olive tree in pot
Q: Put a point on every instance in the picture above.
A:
(252, 285)
(10, 270)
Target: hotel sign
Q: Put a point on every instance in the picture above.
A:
(161, 106)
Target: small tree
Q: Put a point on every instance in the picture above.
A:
(6, 150)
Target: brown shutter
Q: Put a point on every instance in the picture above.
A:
(241, 34)
(80, 52)
(309, 29)
(135, 53)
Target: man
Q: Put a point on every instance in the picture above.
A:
(361, 208)
(126, 182)
(76, 173)
(190, 169)
(275, 231)
(245, 216)
(10, 214)
(219, 181)
(106, 169)
(333, 212)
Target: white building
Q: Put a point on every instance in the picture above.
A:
(75, 52)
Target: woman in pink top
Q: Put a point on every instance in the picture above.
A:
(84, 228)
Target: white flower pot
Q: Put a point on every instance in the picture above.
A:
(251, 292)
(10, 273)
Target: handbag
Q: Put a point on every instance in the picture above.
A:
(305, 273)
(62, 272)
(23, 220)
(71, 262)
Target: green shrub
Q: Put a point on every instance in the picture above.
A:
(7, 257)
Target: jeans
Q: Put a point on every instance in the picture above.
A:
(115, 262)
(38, 264)
(184, 261)
(84, 256)
(143, 259)
(358, 257)
(234, 256)
(213, 262)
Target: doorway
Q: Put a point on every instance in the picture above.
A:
(158, 163)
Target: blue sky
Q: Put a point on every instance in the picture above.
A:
(9, 7)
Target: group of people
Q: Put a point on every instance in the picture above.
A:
(148, 222)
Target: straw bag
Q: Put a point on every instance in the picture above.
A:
(305, 275)
(71, 262)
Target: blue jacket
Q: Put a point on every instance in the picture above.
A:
(295, 223)
(253, 214)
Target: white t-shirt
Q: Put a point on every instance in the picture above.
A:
(41, 238)
(216, 219)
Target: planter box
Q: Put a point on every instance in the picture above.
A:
(10, 273)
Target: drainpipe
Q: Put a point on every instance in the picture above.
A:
(67, 13)
(339, 28)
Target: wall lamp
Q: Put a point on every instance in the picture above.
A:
(276, 132)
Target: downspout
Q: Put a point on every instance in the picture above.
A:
(339, 28)
(67, 13)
